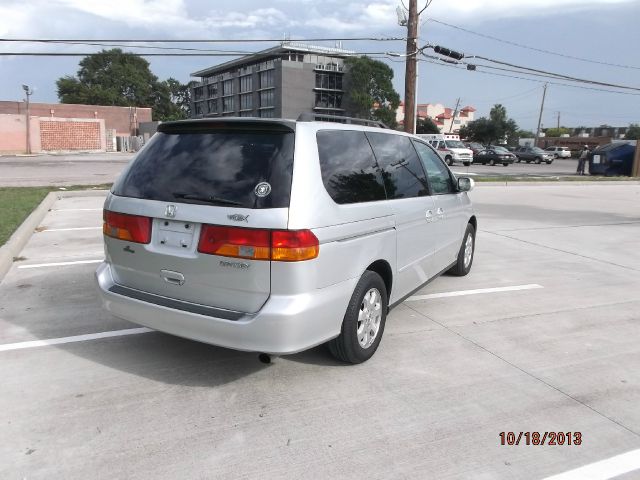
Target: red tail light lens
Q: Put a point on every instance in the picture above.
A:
(258, 244)
(131, 228)
(235, 242)
(294, 245)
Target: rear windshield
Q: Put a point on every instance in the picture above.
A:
(240, 168)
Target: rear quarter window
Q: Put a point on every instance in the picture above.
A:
(223, 164)
(349, 170)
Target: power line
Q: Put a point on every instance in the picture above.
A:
(457, 56)
(535, 49)
(147, 54)
(210, 40)
(453, 65)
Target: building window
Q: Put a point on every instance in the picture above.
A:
(246, 101)
(212, 106)
(227, 104)
(266, 98)
(246, 84)
(212, 90)
(329, 81)
(198, 93)
(266, 79)
(267, 113)
(227, 87)
(328, 100)
(198, 108)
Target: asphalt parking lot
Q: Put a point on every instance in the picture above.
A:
(542, 336)
(559, 168)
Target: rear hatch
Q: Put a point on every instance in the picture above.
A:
(192, 217)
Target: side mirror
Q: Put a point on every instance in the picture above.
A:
(465, 184)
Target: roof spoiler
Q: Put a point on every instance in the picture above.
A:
(316, 117)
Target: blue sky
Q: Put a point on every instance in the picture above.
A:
(601, 30)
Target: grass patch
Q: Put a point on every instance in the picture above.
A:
(569, 178)
(16, 203)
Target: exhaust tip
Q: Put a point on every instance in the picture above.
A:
(265, 358)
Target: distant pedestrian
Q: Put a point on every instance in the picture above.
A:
(582, 159)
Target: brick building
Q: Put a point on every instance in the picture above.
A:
(124, 120)
(67, 127)
(442, 116)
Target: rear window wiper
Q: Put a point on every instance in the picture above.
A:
(207, 199)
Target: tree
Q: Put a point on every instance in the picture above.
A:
(556, 132)
(525, 134)
(495, 129)
(113, 77)
(633, 132)
(369, 90)
(426, 125)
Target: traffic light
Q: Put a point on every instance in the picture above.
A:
(448, 53)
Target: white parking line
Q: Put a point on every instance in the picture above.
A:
(76, 209)
(478, 291)
(604, 469)
(76, 338)
(59, 264)
(68, 229)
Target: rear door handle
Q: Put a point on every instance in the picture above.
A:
(174, 278)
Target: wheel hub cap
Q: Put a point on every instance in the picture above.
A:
(468, 251)
(369, 318)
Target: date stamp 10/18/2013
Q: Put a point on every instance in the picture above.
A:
(541, 438)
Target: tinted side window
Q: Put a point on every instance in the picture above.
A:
(401, 169)
(349, 170)
(440, 180)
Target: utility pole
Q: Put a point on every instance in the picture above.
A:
(544, 93)
(558, 120)
(410, 69)
(455, 111)
(28, 92)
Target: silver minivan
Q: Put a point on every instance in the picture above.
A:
(275, 236)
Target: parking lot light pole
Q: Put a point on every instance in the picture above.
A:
(28, 92)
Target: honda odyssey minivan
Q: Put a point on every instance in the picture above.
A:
(275, 236)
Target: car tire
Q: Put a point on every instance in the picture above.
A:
(538, 160)
(518, 159)
(505, 164)
(466, 164)
(492, 163)
(449, 160)
(555, 155)
(528, 161)
(465, 254)
(549, 162)
(366, 312)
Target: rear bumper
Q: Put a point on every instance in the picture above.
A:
(285, 324)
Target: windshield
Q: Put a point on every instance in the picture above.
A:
(537, 150)
(455, 144)
(500, 150)
(222, 167)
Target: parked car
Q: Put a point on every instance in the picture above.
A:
(495, 155)
(274, 236)
(533, 154)
(559, 152)
(475, 147)
(612, 159)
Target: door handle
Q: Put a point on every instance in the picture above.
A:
(174, 278)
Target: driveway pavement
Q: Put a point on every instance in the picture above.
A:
(541, 337)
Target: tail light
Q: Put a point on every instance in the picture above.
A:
(132, 228)
(258, 244)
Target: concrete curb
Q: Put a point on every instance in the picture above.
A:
(557, 183)
(23, 233)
